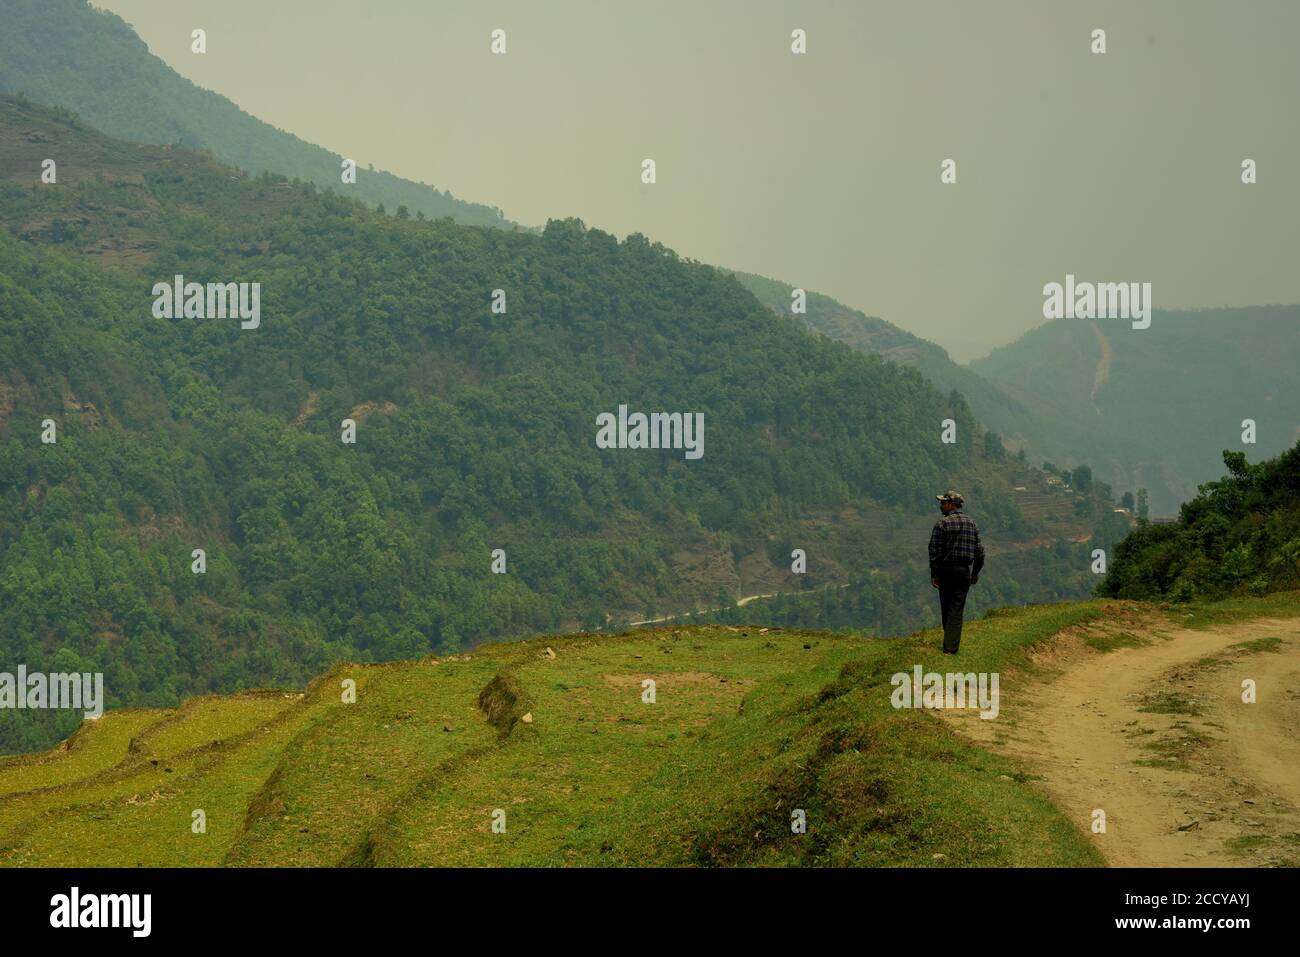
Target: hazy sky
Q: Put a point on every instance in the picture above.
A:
(822, 169)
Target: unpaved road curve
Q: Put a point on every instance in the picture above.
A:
(1158, 737)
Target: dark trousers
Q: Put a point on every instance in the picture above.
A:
(954, 583)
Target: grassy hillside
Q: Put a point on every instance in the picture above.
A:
(66, 53)
(1154, 407)
(747, 725)
(476, 431)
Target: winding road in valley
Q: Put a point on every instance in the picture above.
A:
(740, 603)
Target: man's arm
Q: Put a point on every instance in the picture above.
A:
(979, 559)
(936, 549)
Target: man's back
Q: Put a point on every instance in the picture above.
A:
(955, 540)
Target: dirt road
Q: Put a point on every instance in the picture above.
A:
(1156, 735)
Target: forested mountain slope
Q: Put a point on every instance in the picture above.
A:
(1146, 411)
(475, 431)
(1015, 420)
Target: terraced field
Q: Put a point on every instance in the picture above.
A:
(561, 744)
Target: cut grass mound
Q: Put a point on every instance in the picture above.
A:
(714, 746)
(502, 703)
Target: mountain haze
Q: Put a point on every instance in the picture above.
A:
(1014, 419)
(354, 525)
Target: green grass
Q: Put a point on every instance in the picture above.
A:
(1110, 642)
(1168, 702)
(748, 725)
(1172, 750)
(1281, 850)
(1283, 604)
(341, 774)
(1255, 646)
(97, 746)
(139, 812)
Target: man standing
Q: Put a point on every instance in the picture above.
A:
(956, 557)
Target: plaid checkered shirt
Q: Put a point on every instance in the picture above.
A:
(955, 540)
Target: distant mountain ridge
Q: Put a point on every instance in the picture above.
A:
(69, 54)
(1156, 407)
(1008, 416)
(1148, 408)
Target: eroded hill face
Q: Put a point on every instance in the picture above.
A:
(1156, 407)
